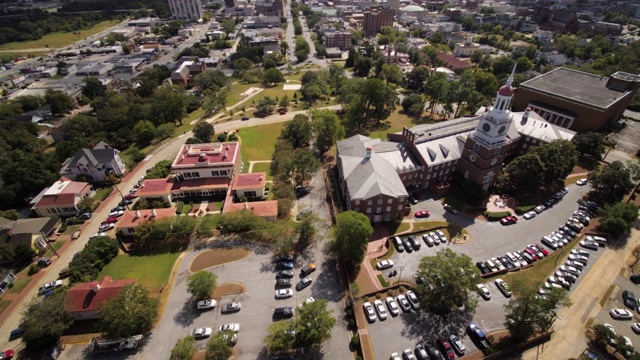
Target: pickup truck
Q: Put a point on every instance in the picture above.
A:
(476, 333)
(97, 346)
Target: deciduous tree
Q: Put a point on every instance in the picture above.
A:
(144, 132)
(297, 131)
(201, 284)
(45, 320)
(184, 350)
(59, 101)
(327, 128)
(558, 159)
(272, 77)
(313, 324)
(445, 285)
(218, 348)
(413, 105)
(524, 174)
(203, 131)
(280, 336)
(131, 312)
(617, 218)
(351, 236)
(611, 183)
(590, 144)
(93, 88)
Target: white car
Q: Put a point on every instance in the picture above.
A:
(404, 303)
(384, 264)
(484, 291)
(413, 299)
(49, 286)
(117, 213)
(382, 311)
(368, 310)
(539, 208)
(503, 287)
(395, 356)
(284, 293)
(570, 270)
(621, 314)
(106, 227)
(206, 304)
(529, 215)
(201, 333)
(235, 327)
(394, 309)
(582, 182)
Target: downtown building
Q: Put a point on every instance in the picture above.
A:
(186, 9)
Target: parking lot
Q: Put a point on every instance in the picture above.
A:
(488, 239)
(622, 327)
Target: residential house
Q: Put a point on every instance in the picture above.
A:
(96, 163)
(62, 198)
(83, 300)
(128, 222)
(453, 63)
(265, 209)
(249, 186)
(7, 277)
(32, 232)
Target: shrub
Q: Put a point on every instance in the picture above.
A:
(378, 296)
(355, 340)
(351, 323)
(62, 228)
(33, 269)
(179, 207)
(493, 216)
(390, 292)
(524, 208)
(402, 289)
(232, 137)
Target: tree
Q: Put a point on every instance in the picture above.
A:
(279, 337)
(436, 87)
(44, 321)
(297, 131)
(558, 158)
(306, 231)
(131, 312)
(313, 324)
(164, 131)
(93, 88)
(413, 105)
(476, 56)
(617, 218)
(366, 100)
(502, 65)
(284, 102)
(210, 80)
(391, 73)
(327, 128)
(6, 254)
(203, 131)
(302, 49)
(611, 183)
(265, 107)
(445, 286)
(417, 77)
(529, 314)
(23, 251)
(11, 214)
(201, 284)
(144, 132)
(351, 236)
(184, 350)
(590, 144)
(524, 174)
(214, 100)
(59, 101)
(272, 77)
(168, 105)
(218, 347)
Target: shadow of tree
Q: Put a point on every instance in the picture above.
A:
(327, 284)
(186, 315)
(422, 325)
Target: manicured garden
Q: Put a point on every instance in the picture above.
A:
(151, 271)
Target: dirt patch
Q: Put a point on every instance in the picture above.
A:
(227, 289)
(365, 284)
(217, 257)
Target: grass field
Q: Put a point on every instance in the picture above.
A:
(258, 141)
(263, 167)
(150, 271)
(394, 123)
(4, 304)
(19, 285)
(59, 39)
(235, 90)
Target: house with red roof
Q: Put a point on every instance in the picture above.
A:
(61, 198)
(453, 63)
(131, 219)
(84, 299)
(249, 186)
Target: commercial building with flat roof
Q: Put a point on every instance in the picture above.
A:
(577, 100)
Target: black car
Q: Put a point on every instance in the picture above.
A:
(283, 313)
(421, 353)
(303, 283)
(244, 118)
(414, 242)
(549, 203)
(635, 279)
(484, 269)
(506, 262)
(286, 265)
(283, 283)
(568, 231)
(283, 258)
(284, 274)
(407, 245)
(434, 352)
(629, 299)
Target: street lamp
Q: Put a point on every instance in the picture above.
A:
(398, 281)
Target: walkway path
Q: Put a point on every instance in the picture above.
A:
(251, 163)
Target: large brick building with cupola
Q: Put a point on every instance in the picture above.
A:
(376, 176)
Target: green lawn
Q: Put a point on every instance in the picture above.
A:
(19, 285)
(4, 304)
(235, 90)
(258, 141)
(394, 123)
(152, 271)
(59, 39)
(263, 167)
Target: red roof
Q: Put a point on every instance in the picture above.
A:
(131, 219)
(506, 90)
(199, 155)
(155, 187)
(63, 193)
(201, 184)
(250, 181)
(260, 208)
(83, 296)
(452, 62)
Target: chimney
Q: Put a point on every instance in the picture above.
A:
(153, 213)
(96, 288)
(367, 155)
(137, 214)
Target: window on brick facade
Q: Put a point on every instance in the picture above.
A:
(368, 210)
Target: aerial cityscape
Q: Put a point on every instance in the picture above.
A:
(308, 179)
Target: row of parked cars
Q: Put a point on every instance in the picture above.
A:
(402, 301)
(412, 243)
(440, 349)
(284, 280)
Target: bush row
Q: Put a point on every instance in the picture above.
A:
(87, 265)
(493, 216)
(524, 208)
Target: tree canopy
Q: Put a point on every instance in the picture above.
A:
(589, 143)
(201, 284)
(218, 348)
(449, 279)
(184, 350)
(313, 324)
(366, 100)
(131, 312)
(351, 236)
(93, 88)
(297, 131)
(610, 183)
(617, 218)
(39, 334)
(327, 128)
(203, 131)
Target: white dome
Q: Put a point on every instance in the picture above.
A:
(412, 8)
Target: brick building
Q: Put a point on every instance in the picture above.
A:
(377, 18)
(339, 39)
(577, 100)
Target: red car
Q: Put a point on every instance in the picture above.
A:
(422, 214)
(532, 253)
(113, 219)
(6, 355)
(129, 197)
(508, 220)
(446, 349)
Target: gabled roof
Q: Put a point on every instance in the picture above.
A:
(366, 178)
(131, 219)
(63, 193)
(88, 296)
(100, 154)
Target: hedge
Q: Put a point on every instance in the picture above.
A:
(524, 208)
(492, 216)
(179, 207)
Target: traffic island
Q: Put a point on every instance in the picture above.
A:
(215, 257)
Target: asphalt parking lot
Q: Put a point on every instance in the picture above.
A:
(488, 239)
(622, 327)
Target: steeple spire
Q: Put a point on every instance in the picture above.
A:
(510, 79)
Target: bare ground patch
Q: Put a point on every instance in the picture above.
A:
(217, 257)
(227, 289)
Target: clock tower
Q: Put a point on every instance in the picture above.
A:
(487, 146)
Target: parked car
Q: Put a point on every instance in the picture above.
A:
(206, 304)
(380, 309)
(235, 327)
(403, 302)
(284, 258)
(582, 182)
(483, 290)
(283, 283)
(413, 299)
(84, 216)
(422, 214)
(484, 269)
(44, 261)
(414, 242)
(285, 265)
(450, 209)
(529, 215)
(231, 308)
(457, 345)
(303, 283)
(629, 299)
(421, 352)
(407, 354)
(283, 313)
(284, 293)
(49, 286)
(369, 312)
(116, 213)
(446, 349)
(428, 240)
(407, 245)
(7, 354)
(106, 227)
(434, 352)
(201, 333)
(621, 314)
(508, 220)
(538, 209)
(635, 327)
(398, 243)
(15, 334)
(591, 245)
(570, 270)
(503, 287)
(384, 264)
(112, 219)
(244, 118)
(441, 236)
(394, 309)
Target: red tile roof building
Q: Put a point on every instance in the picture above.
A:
(84, 299)
(453, 63)
(61, 198)
(130, 219)
(250, 186)
(264, 209)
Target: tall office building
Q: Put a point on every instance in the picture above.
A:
(186, 9)
(376, 18)
(394, 4)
